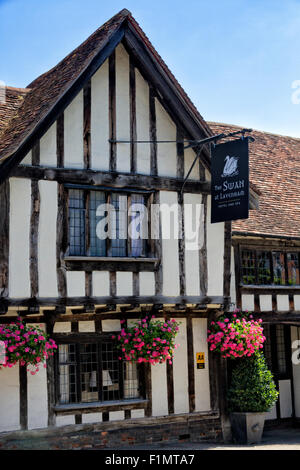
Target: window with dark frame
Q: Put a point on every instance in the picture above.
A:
(259, 267)
(92, 372)
(86, 221)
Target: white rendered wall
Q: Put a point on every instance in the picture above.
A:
(189, 157)
(170, 260)
(27, 160)
(100, 119)
(285, 399)
(9, 399)
(37, 397)
(265, 302)
(142, 123)
(122, 108)
(124, 283)
(215, 254)
(100, 283)
(192, 273)
(202, 391)
(180, 370)
(283, 302)
(19, 227)
(166, 153)
(76, 283)
(248, 302)
(48, 156)
(47, 239)
(73, 133)
(147, 283)
(159, 389)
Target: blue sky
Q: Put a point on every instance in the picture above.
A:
(236, 59)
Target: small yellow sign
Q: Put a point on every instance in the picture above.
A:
(200, 360)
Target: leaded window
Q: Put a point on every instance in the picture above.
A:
(262, 267)
(92, 372)
(108, 224)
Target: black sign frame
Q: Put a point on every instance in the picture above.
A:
(230, 181)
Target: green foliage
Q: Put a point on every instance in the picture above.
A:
(252, 388)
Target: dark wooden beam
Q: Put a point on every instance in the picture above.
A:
(61, 240)
(133, 129)
(191, 367)
(4, 239)
(33, 238)
(112, 111)
(227, 259)
(152, 132)
(113, 299)
(110, 179)
(170, 378)
(23, 397)
(203, 269)
(60, 143)
(36, 153)
(87, 125)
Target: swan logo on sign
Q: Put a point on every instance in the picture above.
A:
(230, 167)
(230, 181)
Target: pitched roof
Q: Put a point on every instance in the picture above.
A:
(275, 171)
(9, 104)
(48, 89)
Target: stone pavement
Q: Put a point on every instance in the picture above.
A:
(275, 439)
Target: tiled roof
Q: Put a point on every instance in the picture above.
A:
(46, 90)
(275, 172)
(11, 100)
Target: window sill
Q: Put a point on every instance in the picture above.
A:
(79, 408)
(99, 263)
(273, 288)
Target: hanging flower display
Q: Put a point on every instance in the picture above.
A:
(28, 345)
(148, 340)
(236, 335)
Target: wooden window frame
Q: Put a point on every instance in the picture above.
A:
(270, 251)
(94, 338)
(149, 262)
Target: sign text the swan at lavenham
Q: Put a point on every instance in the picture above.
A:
(230, 181)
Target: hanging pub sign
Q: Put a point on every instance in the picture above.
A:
(230, 181)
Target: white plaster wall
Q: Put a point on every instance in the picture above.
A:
(48, 156)
(180, 370)
(265, 302)
(166, 153)
(192, 268)
(147, 283)
(170, 260)
(142, 123)
(62, 327)
(116, 415)
(297, 302)
(47, 239)
(159, 390)
(215, 254)
(248, 302)
(202, 392)
(91, 418)
(295, 336)
(100, 283)
(100, 119)
(27, 160)
(137, 413)
(86, 326)
(122, 108)
(37, 396)
(65, 420)
(76, 283)
(111, 325)
(189, 157)
(20, 209)
(9, 399)
(285, 399)
(282, 302)
(124, 283)
(73, 133)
